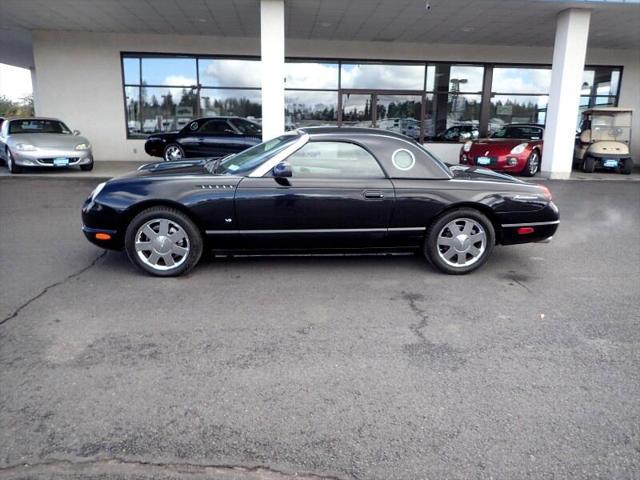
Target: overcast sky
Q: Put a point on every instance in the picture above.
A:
(15, 82)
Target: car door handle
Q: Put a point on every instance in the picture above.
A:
(373, 194)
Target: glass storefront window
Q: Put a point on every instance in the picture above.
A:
(464, 78)
(311, 75)
(169, 71)
(529, 81)
(305, 108)
(507, 109)
(452, 117)
(227, 102)
(131, 68)
(399, 113)
(132, 102)
(229, 73)
(167, 109)
(382, 76)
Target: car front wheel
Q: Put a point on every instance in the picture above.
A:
(533, 165)
(164, 242)
(11, 164)
(173, 153)
(459, 241)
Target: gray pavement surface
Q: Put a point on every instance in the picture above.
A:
(312, 367)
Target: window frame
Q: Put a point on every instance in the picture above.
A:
(485, 94)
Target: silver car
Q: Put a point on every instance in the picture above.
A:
(42, 142)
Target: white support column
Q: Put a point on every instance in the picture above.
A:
(569, 51)
(272, 55)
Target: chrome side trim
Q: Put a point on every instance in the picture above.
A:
(261, 170)
(531, 224)
(313, 230)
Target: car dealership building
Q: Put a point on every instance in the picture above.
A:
(442, 71)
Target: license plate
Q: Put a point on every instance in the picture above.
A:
(60, 162)
(483, 161)
(610, 163)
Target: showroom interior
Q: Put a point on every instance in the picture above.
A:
(440, 71)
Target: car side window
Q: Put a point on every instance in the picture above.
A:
(334, 160)
(216, 127)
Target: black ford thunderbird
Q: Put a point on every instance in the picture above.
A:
(317, 190)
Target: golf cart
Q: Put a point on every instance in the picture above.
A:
(604, 140)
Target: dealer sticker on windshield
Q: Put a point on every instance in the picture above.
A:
(483, 160)
(60, 162)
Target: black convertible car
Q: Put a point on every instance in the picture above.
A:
(317, 190)
(205, 137)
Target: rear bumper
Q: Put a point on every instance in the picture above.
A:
(538, 226)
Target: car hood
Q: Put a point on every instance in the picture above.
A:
(194, 166)
(49, 140)
(496, 146)
(464, 172)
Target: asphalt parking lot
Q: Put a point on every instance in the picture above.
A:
(308, 367)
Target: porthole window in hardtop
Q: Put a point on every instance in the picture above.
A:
(403, 159)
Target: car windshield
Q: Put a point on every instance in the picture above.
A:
(245, 162)
(37, 126)
(529, 133)
(246, 127)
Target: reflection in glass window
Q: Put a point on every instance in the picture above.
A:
(306, 108)
(167, 109)
(169, 71)
(452, 117)
(334, 160)
(311, 75)
(464, 78)
(241, 103)
(382, 76)
(356, 110)
(521, 80)
(399, 113)
(131, 67)
(132, 103)
(507, 109)
(229, 73)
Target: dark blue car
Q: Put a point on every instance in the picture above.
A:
(205, 137)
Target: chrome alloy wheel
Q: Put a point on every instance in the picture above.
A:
(461, 242)
(534, 163)
(162, 244)
(173, 153)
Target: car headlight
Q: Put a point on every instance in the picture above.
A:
(83, 146)
(467, 146)
(25, 147)
(96, 191)
(519, 148)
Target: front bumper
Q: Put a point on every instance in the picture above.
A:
(43, 157)
(510, 163)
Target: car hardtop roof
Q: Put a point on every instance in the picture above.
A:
(350, 131)
(607, 110)
(33, 118)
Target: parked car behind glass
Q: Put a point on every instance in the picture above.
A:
(205, 137)
(42, 142)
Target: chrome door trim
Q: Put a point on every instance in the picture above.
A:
(314, 230)
(530, 224)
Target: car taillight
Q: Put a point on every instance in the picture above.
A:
(545, 192)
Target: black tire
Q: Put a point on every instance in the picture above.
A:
(434, 252)
(87, 167)
(589, 165)
(533, 165)
(175, 217)
(11, 165)
(167, 153)
(627, 166)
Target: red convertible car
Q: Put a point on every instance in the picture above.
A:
(515, 149)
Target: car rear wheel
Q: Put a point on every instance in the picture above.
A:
(627, 166)
(459, 241)
(173, 152)
(164, 242)
(589, 165)
(11, 164)
(533, 165)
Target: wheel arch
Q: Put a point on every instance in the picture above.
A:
(482, 208)
(135, 209)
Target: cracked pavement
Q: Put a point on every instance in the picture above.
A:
(310, 367)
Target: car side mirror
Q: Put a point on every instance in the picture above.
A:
(282, 170)
(76, 132)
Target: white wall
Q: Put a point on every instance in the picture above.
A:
(79, 76)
